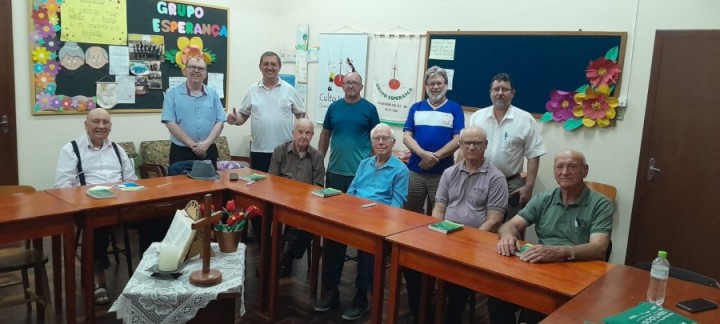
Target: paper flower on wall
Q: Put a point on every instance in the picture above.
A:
(40, 15)
(40, 55)
(602, 72)
(187, 49)
(43, 100)
(561, 105)
(595, 106)
(44, 28)
(591, 103)
(66, 103)
(42, 79)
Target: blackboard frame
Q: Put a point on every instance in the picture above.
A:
(525, 56)
(139, 14)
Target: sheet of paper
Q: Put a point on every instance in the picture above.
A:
(180, 232)
(173, 81)
(92, 21)
(119, 60)
(215, 81)
(442, 49)
(125, 90)
(450, 75)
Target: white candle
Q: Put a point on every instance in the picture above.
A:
(168, 257)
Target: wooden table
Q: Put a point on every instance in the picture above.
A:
(625, 287)
(36, 215)
(162, 196)
(469, 258)
(339, 218)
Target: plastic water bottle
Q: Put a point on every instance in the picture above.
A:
(658, 279)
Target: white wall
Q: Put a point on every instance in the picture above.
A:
(256, 26)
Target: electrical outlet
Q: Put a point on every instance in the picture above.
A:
(622, 102)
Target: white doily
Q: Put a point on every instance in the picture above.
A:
(155, 301)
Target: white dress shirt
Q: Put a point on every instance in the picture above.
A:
(99, 165)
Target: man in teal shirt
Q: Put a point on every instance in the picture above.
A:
(346, 130)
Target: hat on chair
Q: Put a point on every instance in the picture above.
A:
(203, 170)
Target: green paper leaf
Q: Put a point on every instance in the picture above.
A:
(612, 88)
(612, 54)
(546, 117)
(582, 88)
(572, 124)
(170, 55)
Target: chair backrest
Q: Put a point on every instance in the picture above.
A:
(686, 275)
(129, 148)
(158, 152)
(9, 190)
(605, 189)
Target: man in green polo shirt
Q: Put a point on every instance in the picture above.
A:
(572, 223)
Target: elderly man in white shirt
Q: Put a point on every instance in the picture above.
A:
(513, 136)
(93, 159)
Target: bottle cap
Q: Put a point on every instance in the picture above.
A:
(662, 254)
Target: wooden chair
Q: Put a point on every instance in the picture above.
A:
(22, 259)
(610, 192)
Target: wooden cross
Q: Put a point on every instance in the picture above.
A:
(206, 277)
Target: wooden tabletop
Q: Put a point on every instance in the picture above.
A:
(36, 206)
(625, 287)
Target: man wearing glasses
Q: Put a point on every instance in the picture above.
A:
(194, 115)
(382, 178)
(474, 193)
(513, 136)
(431, 133)
(271, 104)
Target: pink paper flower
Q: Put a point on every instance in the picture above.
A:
(40, 15)
(602, 72)
(91, 104)
(66, 103)
(561, 105)
(35, 37)
(595, 106)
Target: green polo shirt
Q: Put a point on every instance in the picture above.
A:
(557, 224)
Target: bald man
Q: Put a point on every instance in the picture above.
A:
(572, 223)
(299, 161)
(93, 159)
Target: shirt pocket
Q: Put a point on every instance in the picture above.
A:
(477, 197)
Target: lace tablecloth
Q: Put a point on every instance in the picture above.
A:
(146, 299)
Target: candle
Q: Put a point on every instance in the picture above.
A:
(168, 257)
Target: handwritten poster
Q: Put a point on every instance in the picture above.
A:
(94, 21)
(442, 49)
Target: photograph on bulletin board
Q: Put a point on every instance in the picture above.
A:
(120, 55)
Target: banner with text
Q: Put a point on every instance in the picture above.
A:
(393, 77)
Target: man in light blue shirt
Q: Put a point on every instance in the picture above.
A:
(194, 115)
(382, 178)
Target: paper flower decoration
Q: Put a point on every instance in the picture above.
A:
(51, 88)
(38, 68)
(91, 104)
(51, 44)
(595, 106)
(42, 79)
(45, 29)
(52, 67)
(187, 49)
(40, 55)
(40, 15)
(52, 7)
(561, 105)
(35, 37)
(43, 100)
(66, 103)
(602, 72)
(55, 102)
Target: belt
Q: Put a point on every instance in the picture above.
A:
(512, 177)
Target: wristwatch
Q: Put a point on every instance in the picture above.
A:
(572, 253)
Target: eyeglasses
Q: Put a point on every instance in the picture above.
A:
(384, 139)
(435, 84)
(466, 144)
(196, 68)
(351, 83)
(498, 90)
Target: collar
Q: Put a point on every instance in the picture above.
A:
(187, 89)
(483, 168)
(509, 114)
(291, 148)
(104, 145)
(582, 201)
(261, 84)
(387, 163)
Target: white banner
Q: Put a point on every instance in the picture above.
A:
(394, 75)
(339, 54)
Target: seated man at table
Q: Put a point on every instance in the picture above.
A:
(297, 160)
(93, 159)
(572, 223)
(474, 193)
(382, 178)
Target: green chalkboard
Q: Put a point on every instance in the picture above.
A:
(164, 20)
(538, 62)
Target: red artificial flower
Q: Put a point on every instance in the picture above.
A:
(602, 72)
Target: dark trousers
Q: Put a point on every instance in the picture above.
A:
(100, 247)
(183, 153)
(457, 297)
(260, 161)
(335, 260)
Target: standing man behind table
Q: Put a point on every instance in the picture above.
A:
(194, 115)
(346, 130)
(270, 103)
(573, 223)
(513, 136)
(299, 161)
(382, 178)
(100, 161)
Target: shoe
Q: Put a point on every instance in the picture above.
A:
(101, 295)
(285, 272)
(328, 300)
(286, 265)
(357, 308)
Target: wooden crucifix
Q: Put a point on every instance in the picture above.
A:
(206, 277)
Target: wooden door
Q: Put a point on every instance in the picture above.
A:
(8, 129)
(677, 210)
